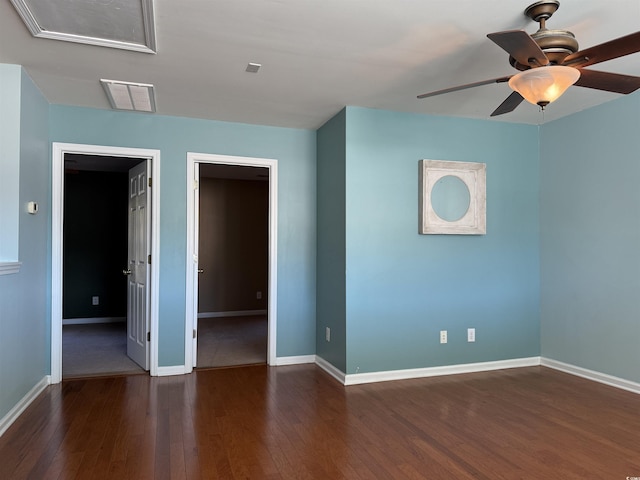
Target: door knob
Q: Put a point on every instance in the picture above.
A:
(126, 272)
(200, 270)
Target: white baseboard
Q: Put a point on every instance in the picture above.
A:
(87, 321)
(331, 370)
(239, 313)
(295, 360)
(592, 375)
(360, 378)
(173, 370)
(22, 405)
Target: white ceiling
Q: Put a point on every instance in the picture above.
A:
(318, 56)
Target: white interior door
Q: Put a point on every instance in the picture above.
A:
(197, 270)
(138, 267)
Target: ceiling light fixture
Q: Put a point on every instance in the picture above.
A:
(139, 97)
(542, 85)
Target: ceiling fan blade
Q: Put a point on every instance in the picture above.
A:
(520, 46)
(464, 87)
(610, 82)
(509, 105)
(605, 51)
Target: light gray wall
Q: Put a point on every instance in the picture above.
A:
(233, 245)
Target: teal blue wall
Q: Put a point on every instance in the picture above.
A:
(295, 151)
(10, 80)
(331, 255)
(402, 287)
(590, 238)
(24, 297)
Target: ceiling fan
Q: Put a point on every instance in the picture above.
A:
(549, 62)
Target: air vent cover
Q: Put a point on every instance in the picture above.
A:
(139, 97)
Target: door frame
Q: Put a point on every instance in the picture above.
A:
(191, 312)
(57, 219)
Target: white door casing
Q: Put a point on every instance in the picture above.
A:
(191, 313)
(137, 271)
(57, 196)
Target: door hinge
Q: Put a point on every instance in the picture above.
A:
(194, 333)
(149, 182)
(148, 336)
(149, 259)
(196, 184)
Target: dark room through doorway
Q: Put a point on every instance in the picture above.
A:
(95, 260)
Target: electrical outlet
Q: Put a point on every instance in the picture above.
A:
(95, 300)
(327, 334)
(443, 336)
(258, 295)
(471, 334)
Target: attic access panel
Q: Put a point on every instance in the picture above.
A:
(125, 24)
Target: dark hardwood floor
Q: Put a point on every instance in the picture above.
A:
(296, 422)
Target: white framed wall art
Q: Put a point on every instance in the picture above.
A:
(453, 199)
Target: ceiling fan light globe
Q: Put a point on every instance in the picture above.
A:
(543, 85)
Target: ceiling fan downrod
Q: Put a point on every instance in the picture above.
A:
(541, 11)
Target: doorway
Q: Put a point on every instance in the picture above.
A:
(91, 157)
(95, 252)
(233, 240)
(234, 331)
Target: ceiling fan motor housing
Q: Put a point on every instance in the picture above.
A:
(556, 44)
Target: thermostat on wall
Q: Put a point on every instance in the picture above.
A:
(32, 208)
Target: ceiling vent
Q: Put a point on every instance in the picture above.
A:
(253, 67)
(126, 24)
(138, 97)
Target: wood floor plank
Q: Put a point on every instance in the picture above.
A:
(296, 422)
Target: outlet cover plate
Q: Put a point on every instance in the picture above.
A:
(471, 334)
